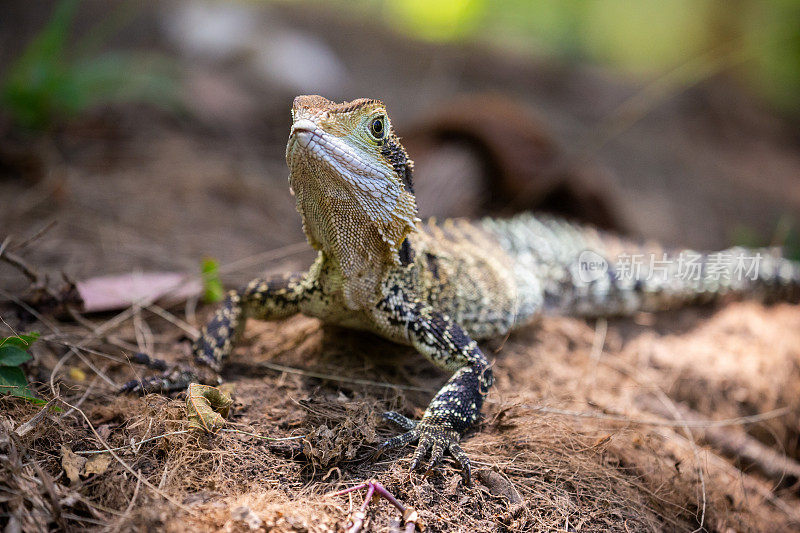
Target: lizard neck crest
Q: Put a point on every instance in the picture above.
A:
(352, 183)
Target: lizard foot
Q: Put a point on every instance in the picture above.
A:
(171, 379)
(432, 435)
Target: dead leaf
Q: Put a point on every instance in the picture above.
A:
(109, 293)
(207, 407)
(498, 485)
(97, 464)
(601, 441)
(72, 464)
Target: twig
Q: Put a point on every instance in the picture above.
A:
(598, 343)
(23, 429)
(20, 264)
(356, 519)
(684, 76)
(269, 255)
(342, 379)
(694, 423)
(174, 320)
(129, 508)
(108, 356)
(6, 324)
(144, 337)
(96, 370)
(739, 444)
(29, 309)
(4, 245)
(83, 396)
(227, 430)
(601, 329)
(183, 432)
(36, 236)
(133, 444)
(163, 478)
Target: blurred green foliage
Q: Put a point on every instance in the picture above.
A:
(53, 81)
(785, 235)
(645, 37)
(13, 353)
(213, 291)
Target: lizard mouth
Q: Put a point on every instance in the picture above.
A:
(308, 141)
(303, 132)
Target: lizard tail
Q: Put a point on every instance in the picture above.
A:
(584, 272)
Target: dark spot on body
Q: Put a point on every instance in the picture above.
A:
(406, 253)
(433, 265)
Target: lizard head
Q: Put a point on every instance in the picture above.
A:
(352, 180)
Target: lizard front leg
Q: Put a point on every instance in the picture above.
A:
(458, 403)
(262, 299)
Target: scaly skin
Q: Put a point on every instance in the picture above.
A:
(436, 286)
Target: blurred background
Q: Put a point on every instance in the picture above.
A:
(150, 135)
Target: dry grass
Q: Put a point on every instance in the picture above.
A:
(587, 473)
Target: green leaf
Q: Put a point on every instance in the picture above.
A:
(13, 350)
(11, 355)
(212, 286)
(22, 341)
(14, 383)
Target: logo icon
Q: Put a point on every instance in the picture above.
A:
(591, 266)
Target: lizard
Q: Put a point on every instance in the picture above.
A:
(440, 286)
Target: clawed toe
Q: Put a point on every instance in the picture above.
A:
(402, 421)
(424, 445)
(463, 460)
(397, 442)
(435, 439)
(437, 454)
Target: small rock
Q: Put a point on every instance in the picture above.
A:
(247, 516)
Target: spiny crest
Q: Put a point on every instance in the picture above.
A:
(315, 104)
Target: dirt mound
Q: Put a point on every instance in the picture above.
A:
(567, 441)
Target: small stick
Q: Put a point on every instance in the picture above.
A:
(737, 443)
(20, 264)
(356, 519)
(36, 236)
(23, 429)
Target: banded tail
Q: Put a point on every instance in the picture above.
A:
(583, 272)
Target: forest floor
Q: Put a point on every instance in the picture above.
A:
(686, 420)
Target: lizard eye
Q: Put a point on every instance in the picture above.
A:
(377, 128)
